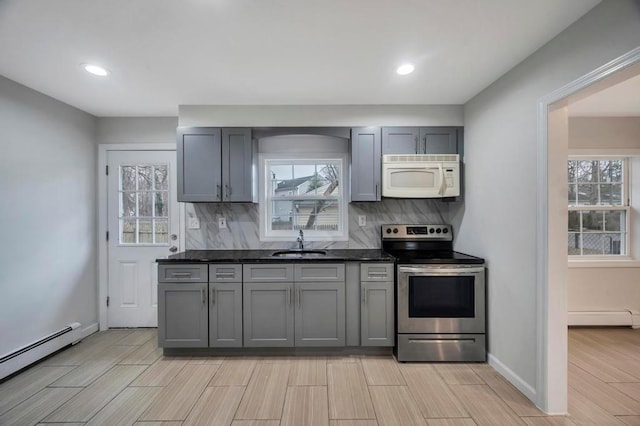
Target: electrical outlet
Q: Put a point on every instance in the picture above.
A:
(222, 222)
(194, 223)
(362, 220)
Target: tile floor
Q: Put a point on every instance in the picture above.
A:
(120, 377)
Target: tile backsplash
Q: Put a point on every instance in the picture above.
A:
(243, 230)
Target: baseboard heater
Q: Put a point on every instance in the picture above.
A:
(627, 317)
(26, 355)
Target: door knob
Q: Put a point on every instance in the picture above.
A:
(174, 237)
(173, 249)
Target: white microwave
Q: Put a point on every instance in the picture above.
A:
(421, 176)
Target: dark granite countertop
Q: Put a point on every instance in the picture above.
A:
(257, 256)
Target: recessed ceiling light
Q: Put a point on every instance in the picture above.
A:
(405, 69)
(95, 70)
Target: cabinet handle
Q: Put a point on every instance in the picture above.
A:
(289, 294)
(213, 296)
(364, 295)
(228, 190)
(298, 297)
(219, 195)
(181, 274)
(417, 146)
(225, 274)
(376, 190)
(425, 143)
(202, 296)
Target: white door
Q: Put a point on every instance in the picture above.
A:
(143, 223)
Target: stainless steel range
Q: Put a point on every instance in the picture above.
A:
(440, 295)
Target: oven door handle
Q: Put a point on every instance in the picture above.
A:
(440, 271)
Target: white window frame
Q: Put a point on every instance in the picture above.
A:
(625, 206)
(266, 234)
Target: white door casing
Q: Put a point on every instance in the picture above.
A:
(143, 225)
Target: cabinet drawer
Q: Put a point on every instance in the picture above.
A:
(225, 273)
(319, 272)
(376, 272)
(182, 273)
(267, 273)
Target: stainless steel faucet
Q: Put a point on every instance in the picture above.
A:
(300, 240)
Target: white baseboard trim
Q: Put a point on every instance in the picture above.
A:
(512, 377)
(601, 318)
(90, 329)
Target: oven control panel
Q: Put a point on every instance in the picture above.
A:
(417, 232)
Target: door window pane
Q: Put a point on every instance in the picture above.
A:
(144, 204)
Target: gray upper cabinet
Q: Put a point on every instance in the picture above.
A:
(439, 140)
(421, 140)
(215, 165)
(400, 140)
(366, 152)
(237, 165)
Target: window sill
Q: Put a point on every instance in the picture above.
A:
(604, 263)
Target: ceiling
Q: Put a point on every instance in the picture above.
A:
(165, 53)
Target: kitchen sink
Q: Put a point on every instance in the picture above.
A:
(299, 253)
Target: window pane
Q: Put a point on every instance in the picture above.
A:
(144, 204)
(592, 221)
(127, 231)
(161, 174)
(614, 220)
(128, 178)
(282, 215)
(611, 194)
(144, 177)
(587, 194)
(574, 243)
(162, 231)
(571, 170)
(162, 204)
(611, 170)
(281, 172)
(574, 221)
(303, 171)
(128, 204)
(572, 194)
(585, 171)
(146, 231)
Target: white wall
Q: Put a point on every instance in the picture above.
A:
(135, 130)
(320, 115)
(499, 219)
(607, 288)
(48, 216)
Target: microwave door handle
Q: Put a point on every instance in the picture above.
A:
(443, 181)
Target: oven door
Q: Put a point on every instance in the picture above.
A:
(441, 299)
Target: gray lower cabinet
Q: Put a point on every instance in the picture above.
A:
(268, 314)
(320, 314)
(225, 315)
(377, 313)
(182, 315)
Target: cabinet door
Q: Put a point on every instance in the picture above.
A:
(439, 140)
(267, 314)
(377, 314)
(225, 315)
(366, 152)
(182, 315)
(320, 314)
(237, 165)
(199, 158)
(400, 140)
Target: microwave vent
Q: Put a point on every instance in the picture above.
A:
(420, 158)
